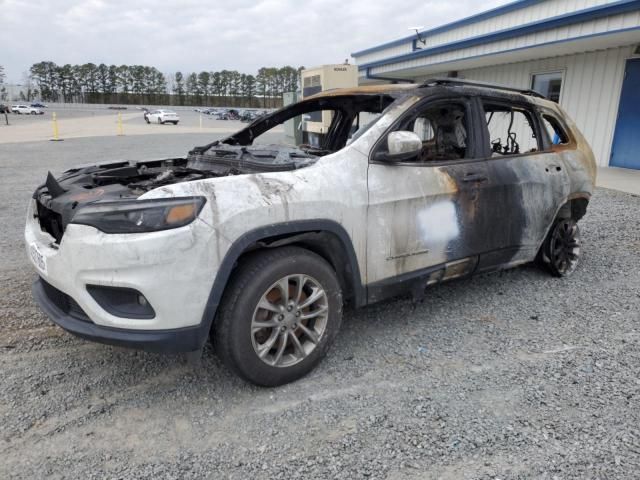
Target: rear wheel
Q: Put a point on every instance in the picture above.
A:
(560, 251)
(279, 316)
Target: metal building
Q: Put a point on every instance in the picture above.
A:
(585, 54)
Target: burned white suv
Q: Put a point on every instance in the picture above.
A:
(380, 190)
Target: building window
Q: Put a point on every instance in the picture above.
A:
(548, 84)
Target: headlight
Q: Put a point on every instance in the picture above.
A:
(140, 215)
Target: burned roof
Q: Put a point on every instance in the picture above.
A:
(385, 88)
(396, 89)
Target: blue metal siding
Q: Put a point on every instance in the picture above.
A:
(626, 142)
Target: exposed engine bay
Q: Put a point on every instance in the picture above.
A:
(58, 199)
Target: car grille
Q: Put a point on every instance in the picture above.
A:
(50, 222)
(64, 302)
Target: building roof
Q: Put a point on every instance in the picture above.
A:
(596, 27)
(494, 12)
(566, 19)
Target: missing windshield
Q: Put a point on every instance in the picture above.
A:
(311, 128)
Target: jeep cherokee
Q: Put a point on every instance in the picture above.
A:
(258, 245)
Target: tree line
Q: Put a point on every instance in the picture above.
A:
(144, 85)
(3, 90)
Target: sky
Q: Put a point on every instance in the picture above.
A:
(196, 35)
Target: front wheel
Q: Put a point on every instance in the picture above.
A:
(279, 316)
(560, 251)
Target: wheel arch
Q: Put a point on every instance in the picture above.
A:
(573, 206)
(326, 238)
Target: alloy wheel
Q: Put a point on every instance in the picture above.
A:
(289, 320)
(564, 249)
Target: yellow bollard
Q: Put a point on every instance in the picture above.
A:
(56, 136)
(120, 131)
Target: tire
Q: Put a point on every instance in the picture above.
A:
(33, 113)
(261, 278)
(147, 120)
(560, 252)
(175, 123)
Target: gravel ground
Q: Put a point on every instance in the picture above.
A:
(511, 375)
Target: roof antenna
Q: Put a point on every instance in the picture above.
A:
(419, 38)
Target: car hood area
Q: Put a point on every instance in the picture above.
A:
(58, 199)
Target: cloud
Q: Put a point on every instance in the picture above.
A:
(195, 35)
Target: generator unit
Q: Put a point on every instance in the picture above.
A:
(292, 128)
(318, 79)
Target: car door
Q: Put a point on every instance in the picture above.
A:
(424, 223)
(527, 183)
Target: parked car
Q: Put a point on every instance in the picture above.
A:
(230, 114)
(145, 113)
(38, 105)
(26, 110)
(249, 115)
(162, 117)
(258, 245)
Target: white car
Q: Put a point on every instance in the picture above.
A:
(162, 116)
(26, 109)
(258, 245)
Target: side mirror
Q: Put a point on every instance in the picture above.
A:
(402, 145)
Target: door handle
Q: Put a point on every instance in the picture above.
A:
(474, 177)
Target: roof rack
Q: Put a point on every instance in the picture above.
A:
(469, 83)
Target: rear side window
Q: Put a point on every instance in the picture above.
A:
(511, 130)
(557, 134)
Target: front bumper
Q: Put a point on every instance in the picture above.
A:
(173, 269)
(187, 339)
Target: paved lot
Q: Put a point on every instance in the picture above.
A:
(85, 121)
(512, 375)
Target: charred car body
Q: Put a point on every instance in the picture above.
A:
(259, 245)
